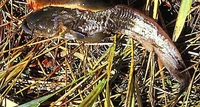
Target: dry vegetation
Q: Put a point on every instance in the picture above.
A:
(72, 72)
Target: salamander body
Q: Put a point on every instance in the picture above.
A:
(94, 26)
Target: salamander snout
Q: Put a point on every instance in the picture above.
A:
(25, 27)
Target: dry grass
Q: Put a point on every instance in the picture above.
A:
(117, 71)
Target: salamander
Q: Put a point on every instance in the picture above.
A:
(94, 26)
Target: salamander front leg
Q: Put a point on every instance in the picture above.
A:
(96, 37)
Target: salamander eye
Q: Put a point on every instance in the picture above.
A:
(42, 26)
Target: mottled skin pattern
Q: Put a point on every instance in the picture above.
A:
(94, 26)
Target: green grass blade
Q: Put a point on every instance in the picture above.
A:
(89, 100)
(38, 101)
(183, 12)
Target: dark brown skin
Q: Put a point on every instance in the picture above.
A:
(94, 26)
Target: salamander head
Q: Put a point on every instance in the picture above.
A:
(49, 21)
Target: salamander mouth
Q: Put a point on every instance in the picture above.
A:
(25, 27)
